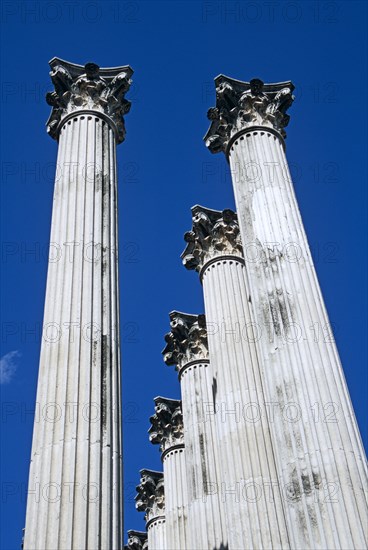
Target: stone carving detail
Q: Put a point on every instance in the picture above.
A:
(167, 423)
(187, 340)
(137, 540)
(79, 88)
(214, 233)
(151, 494)
(240, 105)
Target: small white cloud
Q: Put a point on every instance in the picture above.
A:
(8, 366)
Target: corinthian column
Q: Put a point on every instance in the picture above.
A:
(319, 453)
(187, 349)
(248, 480)
(167, 431)
(75, 482)
(137, 540)
(151, 500)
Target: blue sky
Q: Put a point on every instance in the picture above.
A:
(176, 49)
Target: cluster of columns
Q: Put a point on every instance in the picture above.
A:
(263, 451)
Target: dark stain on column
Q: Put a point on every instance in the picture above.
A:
(104, 362)
(283, 309)
(274, 313)
(214, 393)
(307, 487)
(317, 480)
(194, 485)
(203, 462)
(313, 521)
(106, 183)
(296, 490)
(98, 181)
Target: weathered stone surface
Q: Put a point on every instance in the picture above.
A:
(187, 350)
(214, 233)
(79, 455)
(150, 497)
(187, 340)
(88, 88)
(315, 454)
(241, 105)
(137, 540)
(167, 431)
(245, 455)
(167, 423)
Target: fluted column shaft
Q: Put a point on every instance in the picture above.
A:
(187, 348)
(248, 481)
(167, 431)
(156, 534)
(75, 482)
(320, 457)
(176, 500)
(204, 516)
(78, 455)
(151, 500)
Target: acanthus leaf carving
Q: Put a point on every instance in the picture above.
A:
(167, 423)
(240, 105)
(137, 540)
(187, 340)
(214, 234)
(78, 88)
(150, 497)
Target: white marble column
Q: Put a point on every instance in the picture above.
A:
(248, 480)
(75, 481)
(187, 349)
(167, 431)
(137, 540)
(151, 500)
(319, 454)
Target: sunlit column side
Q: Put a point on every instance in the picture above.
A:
(187, 349)
(137, 540)
(75, 481)
(150, 499)
(167, 431)
(319, 453)
(248, 480)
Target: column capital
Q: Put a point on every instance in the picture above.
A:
(137, 540)
(187, 341)
(167, 423)
(214, 234)
(150, 497)
(88, 88)
(241, 105)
